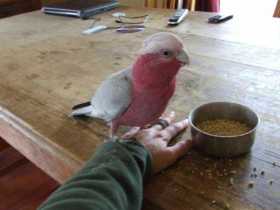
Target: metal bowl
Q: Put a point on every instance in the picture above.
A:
(223, 146)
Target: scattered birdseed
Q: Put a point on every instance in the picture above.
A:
(227, 206)
(253, 175)
(270, 182)
(214, 202)
(233, 172)
(251, 184)
(254, 169)
(231, 181)
(262, 173)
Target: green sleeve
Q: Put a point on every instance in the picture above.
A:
(111, 180)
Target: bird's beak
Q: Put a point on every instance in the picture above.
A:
(183, 57)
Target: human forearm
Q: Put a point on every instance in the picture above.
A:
(112, 179)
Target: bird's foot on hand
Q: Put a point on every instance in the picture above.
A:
(131, 133)
(111, 139)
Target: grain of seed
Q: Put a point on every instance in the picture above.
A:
(231, 181)
(227, 206)
(271, 182)
(262, 173)
(214, 202)
(254, 169)
(274, 163)
(251, 184)
(233, 172)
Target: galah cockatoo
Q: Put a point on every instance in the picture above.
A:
(139, 94)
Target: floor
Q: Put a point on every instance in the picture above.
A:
(22, 185)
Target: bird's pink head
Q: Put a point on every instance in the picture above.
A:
(159, 60)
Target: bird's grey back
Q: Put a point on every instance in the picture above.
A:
(113, 96)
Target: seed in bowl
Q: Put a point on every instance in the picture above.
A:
(223, 127)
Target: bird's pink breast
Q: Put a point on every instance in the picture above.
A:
(154, 82)
(146, 106)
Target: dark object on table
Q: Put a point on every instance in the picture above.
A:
(219, 18)
(82, 8)
(223, 146)
(14, 7)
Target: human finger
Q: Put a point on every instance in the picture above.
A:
(169, 118)
(172, 130)
(178, 150)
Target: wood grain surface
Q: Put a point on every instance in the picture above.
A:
(48, 66)
(16, 174)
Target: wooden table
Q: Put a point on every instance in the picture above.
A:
(47, 66)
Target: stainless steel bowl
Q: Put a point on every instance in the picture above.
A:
(223, 146)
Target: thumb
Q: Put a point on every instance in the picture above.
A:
(179, 149)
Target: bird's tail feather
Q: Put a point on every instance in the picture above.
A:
(82, 111)
(78, 106)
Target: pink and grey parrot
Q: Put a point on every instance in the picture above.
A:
(139, 94)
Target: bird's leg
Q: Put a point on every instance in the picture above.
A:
(131, 133)
(113, 128)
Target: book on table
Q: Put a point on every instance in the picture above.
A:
(79, 8)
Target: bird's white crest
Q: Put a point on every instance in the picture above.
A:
(161, 40)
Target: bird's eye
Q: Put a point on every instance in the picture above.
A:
(166, 53)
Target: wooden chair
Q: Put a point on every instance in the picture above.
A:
(172, 4)
(161, 3)
(13, 7)
(277, 9)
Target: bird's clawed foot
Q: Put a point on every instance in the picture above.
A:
(131, 133)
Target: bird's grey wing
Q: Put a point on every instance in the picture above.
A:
(113, 96)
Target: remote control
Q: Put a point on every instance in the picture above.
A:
(178, 17)
(219, 18)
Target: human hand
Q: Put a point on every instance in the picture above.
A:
(155, 139)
